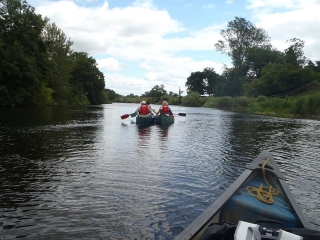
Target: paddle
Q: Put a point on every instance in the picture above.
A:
(128, 115)
(125, 116)
(182, 114)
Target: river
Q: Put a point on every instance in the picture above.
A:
(83, 173)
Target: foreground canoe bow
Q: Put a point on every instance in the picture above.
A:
(260, 195)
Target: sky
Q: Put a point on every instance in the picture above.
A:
(142, 43)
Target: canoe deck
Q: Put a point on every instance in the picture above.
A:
(251, 209)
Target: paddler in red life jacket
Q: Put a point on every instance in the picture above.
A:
(144, 110)
(164, 109)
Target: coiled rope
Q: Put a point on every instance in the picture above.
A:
(264, 193)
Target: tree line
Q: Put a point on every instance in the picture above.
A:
(257, 67)
(37, 64)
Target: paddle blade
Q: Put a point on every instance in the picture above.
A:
(125, 116)
(182, 114)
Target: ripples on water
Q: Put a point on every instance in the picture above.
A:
(83, 173)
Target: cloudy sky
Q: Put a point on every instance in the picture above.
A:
(142, 43)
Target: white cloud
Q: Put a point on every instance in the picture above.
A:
(109, 64)
(299, 20)
(148, 40)
(99, 29)
(171, 72)
(136, 33)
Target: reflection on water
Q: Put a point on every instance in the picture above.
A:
(82, 172)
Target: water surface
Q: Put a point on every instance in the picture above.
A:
(83, 173)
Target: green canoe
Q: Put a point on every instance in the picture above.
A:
(144, 121)
(163, 119)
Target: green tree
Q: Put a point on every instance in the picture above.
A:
(59, 48)
(212, 81)
(279, 79)
(231, 83)
(86, 80)
(24, 64)
(294, 54)
(112, 95)
(314, 66)
(195, 83)
(145, 94)
(239, 36)
(258, 57)
(172, 94)
(157, 92)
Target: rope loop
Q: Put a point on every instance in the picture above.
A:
(264, 193)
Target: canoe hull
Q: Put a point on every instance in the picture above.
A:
(145, 121)
(236, 203)
(163, 119)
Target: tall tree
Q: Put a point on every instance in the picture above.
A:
(24, 62)
(195, 83)
(239, 36)
(212, 81)
(157, 92)
(59, 48)
(86, 79)
(294, 54)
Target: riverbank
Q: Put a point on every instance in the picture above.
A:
(305, 105)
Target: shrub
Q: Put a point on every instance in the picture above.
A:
(192, 100)
(261, 98)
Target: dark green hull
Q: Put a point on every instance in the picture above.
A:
(144, 121)
(164, 120)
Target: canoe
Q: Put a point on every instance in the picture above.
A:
(240, 206)
(163, 119)
(144, 121)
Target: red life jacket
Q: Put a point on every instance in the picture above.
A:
(165, 110)
(144, 109)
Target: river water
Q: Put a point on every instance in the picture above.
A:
(83, 173)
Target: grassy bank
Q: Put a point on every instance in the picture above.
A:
(305, 105)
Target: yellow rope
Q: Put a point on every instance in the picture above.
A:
(264, 193)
